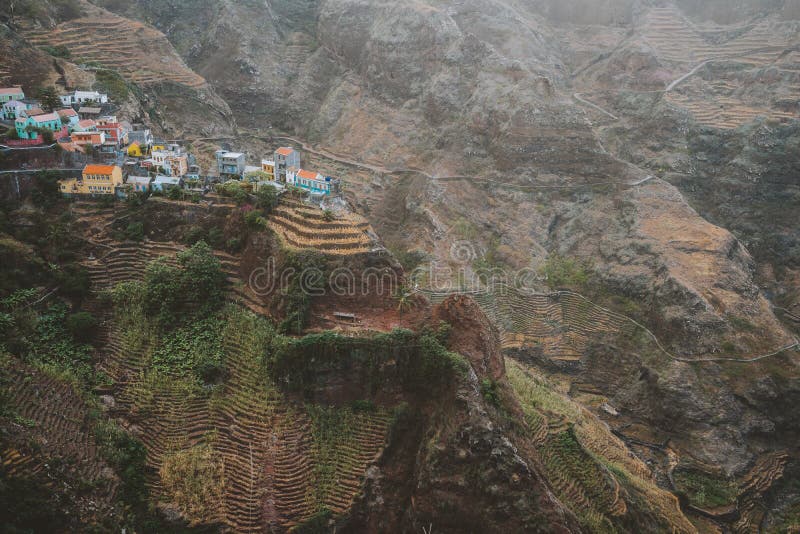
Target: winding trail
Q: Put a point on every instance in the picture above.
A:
(379, 169)
(557, 294)
(579, 98)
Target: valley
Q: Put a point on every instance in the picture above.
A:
(627, 173)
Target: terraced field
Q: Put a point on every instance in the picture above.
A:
(57, 437)
(560, 324)
(280, 462)
(306, 227)
(140, 53)
(767, 469)
(591, 470)
(674, 38)
(724, 112)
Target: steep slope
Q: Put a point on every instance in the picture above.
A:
(157, 88)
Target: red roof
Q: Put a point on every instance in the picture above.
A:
(308, 175)
(98, 169)
(68, 112)
(285, 151)
(10, 90)
(86, 123)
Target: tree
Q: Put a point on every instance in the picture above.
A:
(49, 98)
(267, 199)
(204, 279)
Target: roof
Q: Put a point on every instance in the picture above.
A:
(267, 162)
(139, 179)
(232, 155)
(14, 103)
(89, 110)
(308, 175)
(285, 151)
(46, 117)
(86, 123)
(10, 90)
(32, 112)
(99, 169)
(162, 179)
(67, 112)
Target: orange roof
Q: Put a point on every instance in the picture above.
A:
(308, 175)
(284, 151)
(98, 169)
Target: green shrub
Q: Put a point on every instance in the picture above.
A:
(255, 220)
(73, 281)
(82, 326)
(234, 190)
(109, 81)
(565, 272)
(706, 490)
(490, 392)
(316, 524)
(266, 199)
(135, 231)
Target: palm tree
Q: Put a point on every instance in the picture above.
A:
(406, 299)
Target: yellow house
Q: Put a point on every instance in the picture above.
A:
(134, 150)
(158, 146)
(96, 180)
(268, 166)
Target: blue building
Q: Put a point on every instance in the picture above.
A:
(26, 126)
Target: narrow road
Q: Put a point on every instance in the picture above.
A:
(25, 171)
(579, 98)
(677, 82)
(42, 147)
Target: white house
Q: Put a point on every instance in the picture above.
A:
(80, 97)
(311, 181)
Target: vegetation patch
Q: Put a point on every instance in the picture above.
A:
(705, 490)
(193, 479)
(194, 348)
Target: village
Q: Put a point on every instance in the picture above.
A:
(132, 160)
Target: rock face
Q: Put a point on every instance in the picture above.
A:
(474, 336)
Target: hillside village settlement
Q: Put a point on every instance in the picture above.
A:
(134, 161)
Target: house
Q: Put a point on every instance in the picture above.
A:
(113, 130)
(86, 125)
(230, 163)
(89, 138)
(285, 157)
(81, 97)
(140, 184)
(27, 126)
(268, 167)
(32, 111)
(313, 182)
(171, 158)
(162, 183)
(14, 109)
(143, 137)
(95, 180)
(69, 117)
(7, 94)
(87, 112)
(135, 150)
